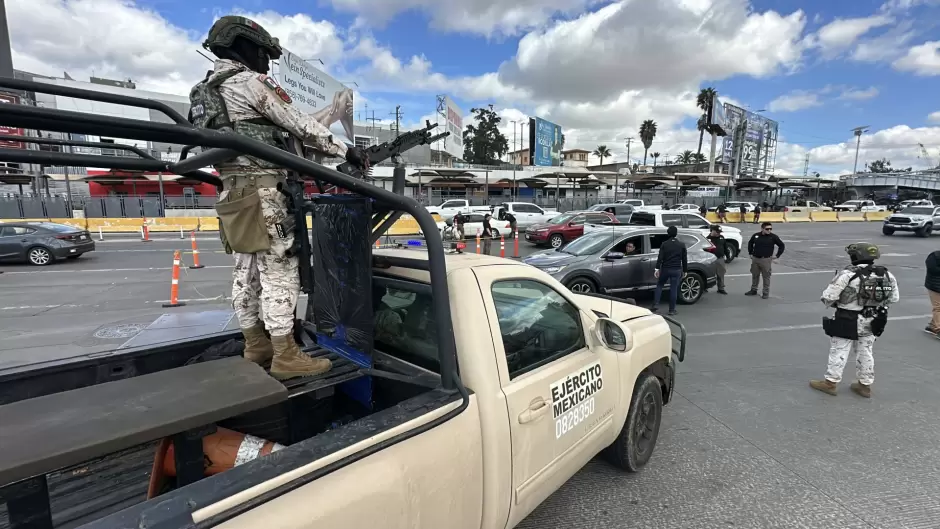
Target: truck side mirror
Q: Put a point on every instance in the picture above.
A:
(612, 336)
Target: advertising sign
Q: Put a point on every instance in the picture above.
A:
(751, 139)
(453, 123)
(545, 143)
(314, 92)
(11, 100)
(717, 120)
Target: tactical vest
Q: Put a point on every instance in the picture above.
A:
(874, 287)
(208, 111)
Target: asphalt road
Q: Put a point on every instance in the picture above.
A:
(746, 443)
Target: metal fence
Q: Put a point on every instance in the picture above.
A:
(33, 207)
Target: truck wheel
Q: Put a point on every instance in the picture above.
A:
(634, 446)
(556, 240)
(887, 231)
(582, 285)
(731, 251)
(925, 231)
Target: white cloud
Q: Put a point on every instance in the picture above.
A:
(923, 59)
(485, 17)
(934, 117)
(857, 94)
(793, 101)
(885, 47)
(839, 34)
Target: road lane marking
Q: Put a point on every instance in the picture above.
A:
(37, 272)
(730, 332)
(800, 273)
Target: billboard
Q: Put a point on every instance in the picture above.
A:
(717, 119)
(545, 142)
(12, 100)
(314, 92)
(751, 144)
(450, 118)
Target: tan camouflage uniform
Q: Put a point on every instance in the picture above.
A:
(267, 280)
(843, 293)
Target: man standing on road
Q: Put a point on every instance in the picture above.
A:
(721, 249)
(861, 294)
(487, 233)
(511, 219)
(671, 266)
(459, 221)
(722, 211)
(743, 210)
(238, 96)
(761, 248)
(932, 282)
(757, 211)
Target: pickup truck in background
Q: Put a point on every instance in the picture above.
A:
(922, 220)
(639, 205)
(690, 219)
(805, 206)
(526, 214)
(860, 205)
(451, 207)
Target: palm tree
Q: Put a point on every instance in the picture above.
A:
(655, 157)
(686, 157)
(704, 101)
(647, 133)
(602, 152)
(699, 158)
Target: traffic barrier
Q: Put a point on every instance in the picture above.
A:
(479, 248)
(851, 216)
(502, 247)
(824, 216)
(75, 223)
(712, 216)
(437, 217)
(145, 234)
(196, 264)
(406, 225)
(168, 224)
(515, 244)
(772, 216)
(877, 216)
(115, 225)
(733, 217)
(208, 223)
(175, 283)
(796, 216)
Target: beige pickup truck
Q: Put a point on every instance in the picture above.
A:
(548, 379)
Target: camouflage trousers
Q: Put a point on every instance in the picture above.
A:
(267, 284)
(841, 348)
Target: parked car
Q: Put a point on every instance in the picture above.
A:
(860, 205)
(598, 262)
(691, 219)
(735, 207)
(451, 207)
(640, 205)
(566, 227)
(472, 226)
(802, 206)
(684, 207)
(621, 211)
(43, 243)
(919, 219)
(526, 214)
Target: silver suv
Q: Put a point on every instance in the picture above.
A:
(919, 219)
(599, 262)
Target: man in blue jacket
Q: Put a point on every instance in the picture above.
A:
(671, 265)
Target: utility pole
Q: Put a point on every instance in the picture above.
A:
(517, 156)
(858, 142)
(629, 141)
(398, 116)
(372, 121)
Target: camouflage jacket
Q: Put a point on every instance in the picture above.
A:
(842, 291)
(249, 95)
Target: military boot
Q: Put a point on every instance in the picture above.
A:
(290, 361)
(825, 386)
(861, 389)
(258, 347)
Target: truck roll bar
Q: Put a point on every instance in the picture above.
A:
(181, 132)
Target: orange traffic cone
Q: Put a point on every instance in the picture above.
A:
(223, 450)
(502, 246)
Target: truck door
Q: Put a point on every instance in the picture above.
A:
(560, 394)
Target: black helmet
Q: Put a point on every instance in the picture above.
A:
(226, 29)
(862, 251)
(715, 227)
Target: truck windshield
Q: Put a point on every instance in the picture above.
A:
(590, 244)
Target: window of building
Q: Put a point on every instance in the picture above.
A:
(363, 142)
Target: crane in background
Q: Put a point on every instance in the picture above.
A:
(926, 156)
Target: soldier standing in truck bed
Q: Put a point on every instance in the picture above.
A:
(239, 96)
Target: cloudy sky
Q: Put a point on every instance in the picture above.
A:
(597, 68)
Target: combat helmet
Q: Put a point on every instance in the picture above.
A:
(225, 30)
(862, 251)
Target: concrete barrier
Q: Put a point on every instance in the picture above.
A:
(405, 225)
(171, 224)
(24, 220)
(851, 216)
(711, 216)
(824, 216)
(81, 224)
(208, 223)
(115, 225)
(877, 216)
(772, 216)
(796, 216)
(733, 217)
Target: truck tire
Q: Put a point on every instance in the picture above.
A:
(925, 231)
(634, 446)
(887, 231)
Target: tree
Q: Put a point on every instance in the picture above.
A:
(602, 152)
(647, 133)
(655, 157)
(686, 157)
(699, 158)
(483, 143)
(704, 101)
(884, 166)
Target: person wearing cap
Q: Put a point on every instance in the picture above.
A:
(721, 250)
(671, 265)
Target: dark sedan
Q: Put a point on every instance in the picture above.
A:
(42, 243)
(600, 262)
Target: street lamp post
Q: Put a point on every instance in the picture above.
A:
(514, 162)
(858, 143)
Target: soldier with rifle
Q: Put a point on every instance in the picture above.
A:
(239, 96)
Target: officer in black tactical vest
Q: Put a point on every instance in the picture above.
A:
(861, 294)
(239, 96)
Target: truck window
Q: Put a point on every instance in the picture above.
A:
(643, 219)
(536, 323)
(404, 325)
(453, 204)
(696, 221)
(526, 208)
(672, 219)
